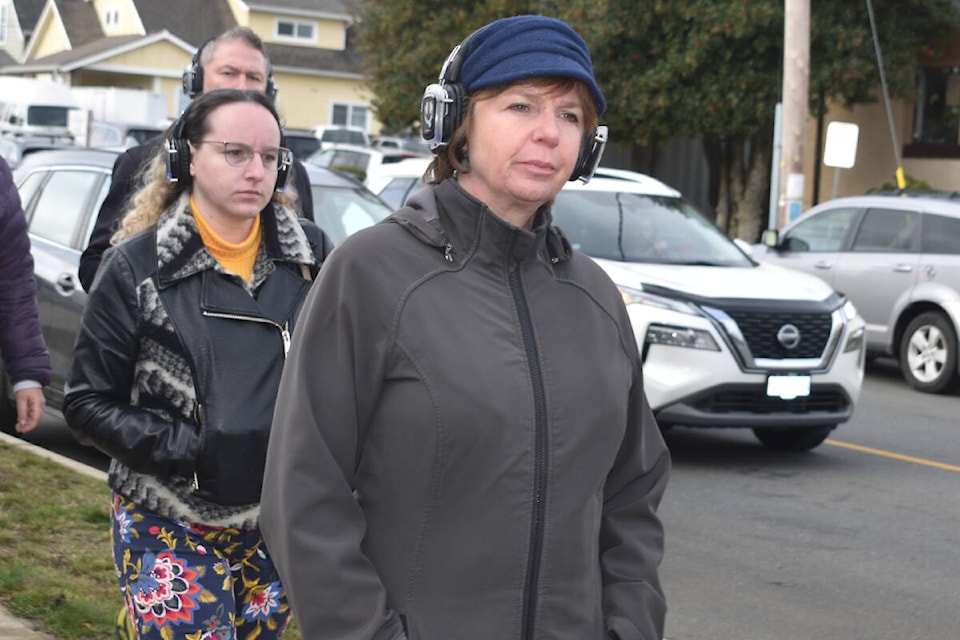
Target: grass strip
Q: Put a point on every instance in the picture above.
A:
(56, 567)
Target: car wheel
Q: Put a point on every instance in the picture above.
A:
(928, 353)
(8, 408)
(798, 439)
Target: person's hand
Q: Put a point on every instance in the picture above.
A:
(30, 403)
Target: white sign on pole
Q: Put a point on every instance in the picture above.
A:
(840, 150)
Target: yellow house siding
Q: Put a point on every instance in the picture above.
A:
(51, 39)
(129, 20)
(328, 34)
(240, 13)
(159, 55)
(306, 101)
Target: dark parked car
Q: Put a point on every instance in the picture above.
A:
(62, 192)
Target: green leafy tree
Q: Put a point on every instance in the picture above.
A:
(704, 69)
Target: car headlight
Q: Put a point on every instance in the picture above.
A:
(849, 311)
(638, 296)
(680, 337)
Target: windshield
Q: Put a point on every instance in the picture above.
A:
(341, 210)
(39, 116)
(630, 227)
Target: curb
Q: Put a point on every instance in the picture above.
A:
(79, 467)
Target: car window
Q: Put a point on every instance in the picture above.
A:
(823, 232)
(890, 230)
(322, 158)
(640, 228)
(395, 192)
(341, 211)
(29, 186)
(941, 234)
(61, 205)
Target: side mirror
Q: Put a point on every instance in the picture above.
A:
(770, 238)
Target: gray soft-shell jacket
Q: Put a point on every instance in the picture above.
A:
(462, 447)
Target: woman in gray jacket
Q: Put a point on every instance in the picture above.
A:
(462, 447)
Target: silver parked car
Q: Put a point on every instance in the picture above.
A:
(898, 260)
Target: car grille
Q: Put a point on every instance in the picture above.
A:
(760, 328)
(755, 401)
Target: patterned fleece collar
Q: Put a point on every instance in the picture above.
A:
(181, 252)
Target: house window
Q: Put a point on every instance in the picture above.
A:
(3, 23)
(350, 115)
(296, 30)
(111, 17)
(936, 119)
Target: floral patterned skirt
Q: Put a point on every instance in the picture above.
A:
(184, 580)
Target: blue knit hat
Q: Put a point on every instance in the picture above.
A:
(524, 47)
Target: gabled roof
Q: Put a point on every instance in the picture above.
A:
(79, 18)
(307, 8)
(319, 61)
(91, 53)
(28, 12)
(186, 19)
(5, 59)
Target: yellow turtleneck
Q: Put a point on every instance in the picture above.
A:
(236, 258)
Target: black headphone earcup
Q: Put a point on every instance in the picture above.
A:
(178, 160)
(283, 174)
(442, 111)
(590, 154)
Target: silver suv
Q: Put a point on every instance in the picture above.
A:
(898, 260)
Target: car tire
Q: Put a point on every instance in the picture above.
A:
(928, 353)
(797, 439)
(8, 408)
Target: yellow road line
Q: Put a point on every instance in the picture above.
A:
(895, 456)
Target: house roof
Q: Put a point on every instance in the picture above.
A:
(5, 59)
(28, 13)
(315, 8)
(80, 20)
(179, 20)
(183, 19)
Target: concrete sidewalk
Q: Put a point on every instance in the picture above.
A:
(12, 628)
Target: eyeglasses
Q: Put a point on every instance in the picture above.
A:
(239, 154)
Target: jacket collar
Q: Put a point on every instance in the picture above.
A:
(181, 252)
(445, 216)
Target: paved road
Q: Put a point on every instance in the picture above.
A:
(855, 540)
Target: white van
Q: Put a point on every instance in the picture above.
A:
(31, 107)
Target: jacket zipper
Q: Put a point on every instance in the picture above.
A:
(284, 328)
(540, 458)
(284, 335)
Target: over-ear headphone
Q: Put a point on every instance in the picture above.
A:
(192, 78)
(177, 149)
(444, 106)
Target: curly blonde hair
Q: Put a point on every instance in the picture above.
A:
(159, 193)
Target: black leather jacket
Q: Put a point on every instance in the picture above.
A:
(177, 364)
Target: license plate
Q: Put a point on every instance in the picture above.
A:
(788, 387)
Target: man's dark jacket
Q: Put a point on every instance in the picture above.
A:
(22, 347)
(126, 168)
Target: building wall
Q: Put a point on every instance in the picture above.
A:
(50, 37)
(330, 34)
(306, 101)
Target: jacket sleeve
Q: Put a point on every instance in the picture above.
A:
(22, 348)
(123, 184)
(97, 404)
(310, 518)
(631, 534)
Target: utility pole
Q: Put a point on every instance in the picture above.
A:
(796, 84)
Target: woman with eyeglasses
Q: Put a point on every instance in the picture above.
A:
(177, 365)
